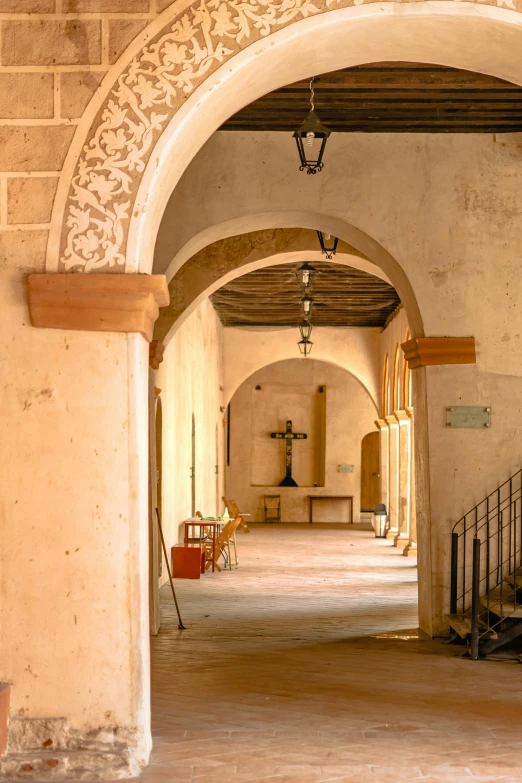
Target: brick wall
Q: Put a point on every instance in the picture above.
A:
(53, 56)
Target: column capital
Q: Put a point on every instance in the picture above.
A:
(401, 416)
(381, 424)
(391, 421)
(409, 411)
(426, 351)
(156, 350)
(97, 302)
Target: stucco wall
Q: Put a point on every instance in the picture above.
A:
(445, 206)
(356, 350)
(350, 414)
(190, 378)
(73, 559)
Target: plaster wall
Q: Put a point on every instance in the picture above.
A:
(190, 379)
(350, 414)
(73, 521)
(355, 350)
(446, 207)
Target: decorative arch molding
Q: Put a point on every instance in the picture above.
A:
(144, 126)
(234, 256)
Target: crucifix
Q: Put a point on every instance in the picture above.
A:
(289, 437)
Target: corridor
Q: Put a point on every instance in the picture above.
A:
(303, 665)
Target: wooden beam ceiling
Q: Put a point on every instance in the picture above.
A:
(391, 98)
(270, 296)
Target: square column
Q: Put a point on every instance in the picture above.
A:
(403, 534)
(384, 435)
(393, 466)
(410, 550)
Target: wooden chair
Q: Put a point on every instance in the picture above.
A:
(236, 514)
(222, 546)
(234, 511)
(272, 508)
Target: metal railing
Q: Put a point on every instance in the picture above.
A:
(486, 549)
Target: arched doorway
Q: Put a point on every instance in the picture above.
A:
(386, 31)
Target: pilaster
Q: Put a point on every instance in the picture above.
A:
(382, 426)
(393, 464)
(410, 550)
(404, 469)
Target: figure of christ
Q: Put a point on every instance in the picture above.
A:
(289, 438)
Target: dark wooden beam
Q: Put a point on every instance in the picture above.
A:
(391, 98)
(343, 296)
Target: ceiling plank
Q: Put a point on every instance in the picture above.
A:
(391, 98)
(343, 296)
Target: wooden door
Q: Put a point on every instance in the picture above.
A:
(370, 480)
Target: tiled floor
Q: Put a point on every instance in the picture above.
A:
(295, 668)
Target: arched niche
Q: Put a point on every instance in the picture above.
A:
(324, 401)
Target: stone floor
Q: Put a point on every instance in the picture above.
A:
(297, 668)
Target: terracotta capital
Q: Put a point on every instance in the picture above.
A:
(426, 351)
(97, 303)
(156, 350)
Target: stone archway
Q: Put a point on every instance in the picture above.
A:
(231, 255)
(110, 224)
(144, 126)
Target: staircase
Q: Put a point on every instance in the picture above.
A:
(486, 571)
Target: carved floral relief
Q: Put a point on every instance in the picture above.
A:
(145, 98)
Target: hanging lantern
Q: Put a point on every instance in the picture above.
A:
(307, 304)
(328, 251)
(311, 138)
(305, 275)
(305, 346)
(305, 329)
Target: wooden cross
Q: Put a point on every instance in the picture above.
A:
(289, 437)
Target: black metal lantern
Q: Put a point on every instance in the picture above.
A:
(311, 138)
(305, 346)
(330, 251)
(307, 304)
(305, 329)
(305, 275)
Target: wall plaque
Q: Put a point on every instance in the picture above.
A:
(345, 468)
(468, 416)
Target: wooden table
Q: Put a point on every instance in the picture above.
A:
(197, 522)
(331, 497)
